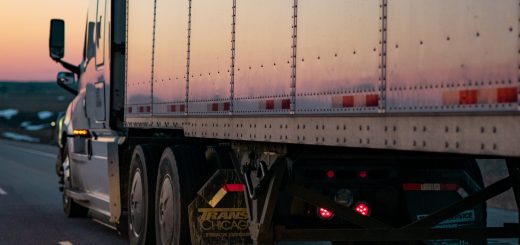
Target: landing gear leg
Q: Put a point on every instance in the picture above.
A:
(261, 201)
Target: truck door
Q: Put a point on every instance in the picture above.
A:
(91, 164)
(95, 90)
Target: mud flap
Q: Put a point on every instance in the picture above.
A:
(218, 215)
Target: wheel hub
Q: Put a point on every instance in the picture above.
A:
(137, 205)
(166, 212)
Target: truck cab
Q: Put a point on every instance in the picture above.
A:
(83, 161)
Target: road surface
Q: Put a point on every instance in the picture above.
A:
(31, 210)
(30, 202)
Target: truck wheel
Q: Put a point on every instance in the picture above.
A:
(143, 172)
(70, 207)
(177, 184)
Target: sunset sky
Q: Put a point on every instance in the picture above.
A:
(24, 38)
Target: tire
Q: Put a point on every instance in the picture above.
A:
(180, 175)
(70, 207)
(141, 202)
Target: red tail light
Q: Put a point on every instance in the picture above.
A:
(331, 174)
(325, 214)
(362, 174)
(362, 208)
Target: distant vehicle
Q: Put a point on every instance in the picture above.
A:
(236, 122)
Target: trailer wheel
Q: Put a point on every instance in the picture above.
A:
(180, 176)
(143, 172)
(70, 207)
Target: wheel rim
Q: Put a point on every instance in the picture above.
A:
(137, 204)
(166, 211)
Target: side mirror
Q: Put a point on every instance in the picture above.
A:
(57, 39)
(66, 80)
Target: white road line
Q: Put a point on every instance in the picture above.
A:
(2, 192)
(40, 153)
(65, 243)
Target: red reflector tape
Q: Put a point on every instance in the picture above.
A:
(234, 187)
(227, 105)
(372, 100)
(430, 187)
(348, 101)
(480, 96)
(214, 107)
(275, 104)
(467, 97)
(411, 187)
(507, 95)
(269, 104)
(286, 104)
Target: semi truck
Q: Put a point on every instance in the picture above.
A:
(252, 122)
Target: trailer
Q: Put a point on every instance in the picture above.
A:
(238, 122)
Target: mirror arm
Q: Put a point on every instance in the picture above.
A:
(70, 90)
(74, 69)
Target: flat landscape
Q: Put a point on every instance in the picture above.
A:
(28, 110)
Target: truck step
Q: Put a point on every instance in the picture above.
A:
(77, 195)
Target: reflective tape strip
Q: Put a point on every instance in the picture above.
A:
(349, 101)
(480, 96)
(430, 187)
(221, 193)
(217, 197)
(372, 100)
(468, 97)
(176, 108)
(507, 95)
(275, 104)
(234, 187)
(222, 106)
(135, 109)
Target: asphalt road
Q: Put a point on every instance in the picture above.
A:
(31, 209)
(30, 202)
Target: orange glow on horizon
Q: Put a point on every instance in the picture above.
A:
(24, 28)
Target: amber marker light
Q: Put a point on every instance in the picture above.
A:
(80, 133)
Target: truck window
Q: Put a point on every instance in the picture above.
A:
(100, 32)
(91, 49)
(91, 31)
